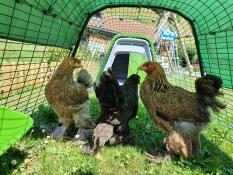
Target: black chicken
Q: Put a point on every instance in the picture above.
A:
(118, 105)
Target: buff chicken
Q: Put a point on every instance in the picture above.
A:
(69, 98)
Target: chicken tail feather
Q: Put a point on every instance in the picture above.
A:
(208, 88)
(84, 77)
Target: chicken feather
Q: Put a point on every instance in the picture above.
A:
(180, 113)
(69, 98)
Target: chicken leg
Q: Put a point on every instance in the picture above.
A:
(81, 136)
(59, 132)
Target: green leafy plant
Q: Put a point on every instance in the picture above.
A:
(56, 54)
(192, 54)
(45, 120)
(84, 53)
(47, 114)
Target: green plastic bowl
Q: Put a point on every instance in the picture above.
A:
(13, 125)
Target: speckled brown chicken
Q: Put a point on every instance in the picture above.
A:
(69, 98)
(180, 113)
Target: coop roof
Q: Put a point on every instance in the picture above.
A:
(116, 37)
(61, 23)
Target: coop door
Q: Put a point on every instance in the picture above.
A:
(120, 67)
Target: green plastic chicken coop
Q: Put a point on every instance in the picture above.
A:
(35, 36)
(119, 54)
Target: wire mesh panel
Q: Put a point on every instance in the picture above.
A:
(25, 69)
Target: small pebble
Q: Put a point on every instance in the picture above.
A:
(46, 141)
(30, 151)
(74, 169)
(26, 161)
(14, 162)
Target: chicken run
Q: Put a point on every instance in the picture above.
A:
(168, 90)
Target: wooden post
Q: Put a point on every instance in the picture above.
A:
(169, 58)
(162, 23)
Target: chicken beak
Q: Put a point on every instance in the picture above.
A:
(141, 68)
(79, 64)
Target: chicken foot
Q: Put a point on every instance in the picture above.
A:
(59, 132)
(81, 137)
(161, 157)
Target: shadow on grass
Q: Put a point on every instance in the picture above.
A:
(82, 173)
(10, 160)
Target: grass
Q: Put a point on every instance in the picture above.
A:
(13, 52)
(136, 60)
(37, 154)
